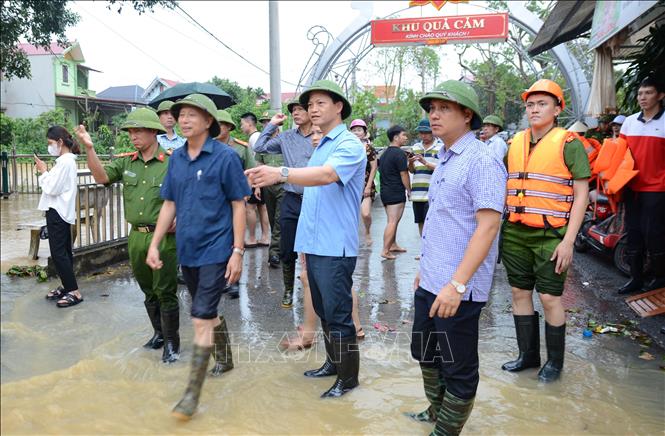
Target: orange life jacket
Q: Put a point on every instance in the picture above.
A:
(591, 146)
(540, 185)
(614, 168)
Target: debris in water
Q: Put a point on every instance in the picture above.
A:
(28, 271)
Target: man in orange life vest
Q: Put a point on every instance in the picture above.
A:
(547, 195)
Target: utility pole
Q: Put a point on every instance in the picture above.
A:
(273, 34)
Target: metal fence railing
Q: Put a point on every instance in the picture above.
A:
(100, 215)
(24, 180)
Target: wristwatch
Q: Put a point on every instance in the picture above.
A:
(240, 251)
(459, 287)
(284, 172)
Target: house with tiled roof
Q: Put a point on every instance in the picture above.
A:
(156, 87)
(59, 80)
(133, 93)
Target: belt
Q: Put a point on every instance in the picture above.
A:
(145, 228)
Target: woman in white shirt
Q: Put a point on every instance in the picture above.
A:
(59, 191)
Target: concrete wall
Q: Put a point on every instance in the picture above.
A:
(68, 87)
(28, 98)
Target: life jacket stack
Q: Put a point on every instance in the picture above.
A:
(614, 168)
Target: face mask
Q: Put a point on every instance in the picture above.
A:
(54, 150)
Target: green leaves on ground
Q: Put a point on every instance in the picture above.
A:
(28, 271)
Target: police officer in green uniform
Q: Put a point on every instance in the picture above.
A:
(272, 195)
(603, 131)
(141, 174)
(226, 126)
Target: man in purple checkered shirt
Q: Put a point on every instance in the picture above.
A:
(459, 251)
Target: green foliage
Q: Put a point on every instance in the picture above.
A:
(39, 22)
(650, 61)
(6, 132)
(245, 101)
(364, 106)
(28, 271)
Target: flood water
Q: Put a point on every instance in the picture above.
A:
(82, 370)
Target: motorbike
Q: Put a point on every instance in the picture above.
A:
(604, 231)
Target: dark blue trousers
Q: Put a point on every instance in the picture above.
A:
(330, 281)
(205, 284)
(449, 344)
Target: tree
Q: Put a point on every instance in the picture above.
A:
(245, 99)
(425, 61)
(39, 22)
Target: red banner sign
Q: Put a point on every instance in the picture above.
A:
(460, 29)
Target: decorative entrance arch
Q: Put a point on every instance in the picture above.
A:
(338, 59)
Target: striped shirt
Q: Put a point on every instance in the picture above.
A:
(422, 174)
(466, 180)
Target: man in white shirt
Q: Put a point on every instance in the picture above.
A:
(492, 125)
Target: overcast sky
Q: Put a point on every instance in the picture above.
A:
(131, 49)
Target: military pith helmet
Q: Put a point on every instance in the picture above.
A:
(331, 88)
(292, 104)
(143, 118)
(201, 102)
(164, 106)
(495, 120)
(423, 126)
(267, 115)
(225, 117)
(457, 92)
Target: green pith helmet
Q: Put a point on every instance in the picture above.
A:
(330, 87)
(493, 119)
(267, 115)
(225, 117)
(143, 118)
(164, 106)
(457, 92)
(293, 103)
(202, 102)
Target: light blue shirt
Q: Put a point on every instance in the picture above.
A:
(467, 179)
(329, 218)
(170, 143)
(497, 146)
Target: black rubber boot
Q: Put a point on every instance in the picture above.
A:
(453, 414)
(289, 277)
(347, 359)
(435, 387)
(233, 290)
(527, 329)
(556, 346)
(658, 268)
(157, 340)
(636, 273)
(222, 350)
(170, 329)
(328, 368)
(187, 405)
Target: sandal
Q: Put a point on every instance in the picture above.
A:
(56, 294)
(360, 333)
(69, 300)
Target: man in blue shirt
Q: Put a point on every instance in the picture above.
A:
(328, 226)
(204, 189)
(459, 252)
(170, 140)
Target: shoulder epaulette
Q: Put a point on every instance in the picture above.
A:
(243, 143)
(131, 154)
(571, 136)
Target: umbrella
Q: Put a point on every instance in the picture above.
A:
(221, 99)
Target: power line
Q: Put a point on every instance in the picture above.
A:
(226, 46)
(131, 43)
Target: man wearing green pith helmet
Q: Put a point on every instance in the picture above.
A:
(169, 140)
(142, 173)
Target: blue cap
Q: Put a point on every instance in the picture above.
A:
(424, 127)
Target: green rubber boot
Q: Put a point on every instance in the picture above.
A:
(187, 405)
(453, 414)
(434, 390)
(289, 277)
(222, 350)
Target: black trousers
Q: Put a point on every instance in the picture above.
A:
(448, 344)
(645, 222)
(330, 281)
(288, 223)
(60, 243)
